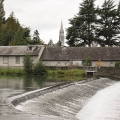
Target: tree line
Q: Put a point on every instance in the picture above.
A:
(95, 25)
(13, 33)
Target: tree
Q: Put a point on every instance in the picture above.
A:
(39, 68)
(11, 28)
(109, 24)
(36, 38)
(72, 32)
(21, 37)
(50, 43)
(58, 43)
(82, 30)
(2, 12)
(2, 19)
(88, 62)
(27, 64)
(14, 33)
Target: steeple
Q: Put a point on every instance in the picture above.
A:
(61, 35)
(61, 29)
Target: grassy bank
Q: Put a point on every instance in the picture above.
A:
(71, 72)
(11, 71)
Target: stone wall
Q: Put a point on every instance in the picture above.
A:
(110, 72)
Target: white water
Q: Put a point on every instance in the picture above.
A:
(104, 105)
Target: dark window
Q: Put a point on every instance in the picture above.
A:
(17, 59)
(5, 59)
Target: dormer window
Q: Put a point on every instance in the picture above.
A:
(30, 47)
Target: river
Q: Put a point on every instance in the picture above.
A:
(62, 104)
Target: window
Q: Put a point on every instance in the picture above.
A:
(17, 59)
(5, 59)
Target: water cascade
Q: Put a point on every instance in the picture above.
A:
(105, 105)
(62, 104)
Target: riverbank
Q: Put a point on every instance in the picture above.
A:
(19, 72)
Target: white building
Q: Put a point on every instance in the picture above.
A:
(12, 56)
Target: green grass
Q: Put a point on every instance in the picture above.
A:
(11, 71)
(59, 73)
(72, 72)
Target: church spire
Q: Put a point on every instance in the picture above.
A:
(61, 29)
(61, 34)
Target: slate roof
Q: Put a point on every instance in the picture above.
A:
(17, 50)
(81, 53)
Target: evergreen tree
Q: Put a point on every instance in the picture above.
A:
(82, 30)
(2, 12)
(73, 33)
(10, 30)
(2, 19)
(109, 24)
(59, 43)
(50, 43)
(36, 38)
(14, 33)
(19, 38)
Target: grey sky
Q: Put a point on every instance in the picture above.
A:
(44, 15)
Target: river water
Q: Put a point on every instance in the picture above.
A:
(13, 86)
(62, 104)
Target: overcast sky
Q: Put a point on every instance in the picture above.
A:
(45, 15)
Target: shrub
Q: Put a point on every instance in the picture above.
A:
(27, 64)
(117, 64)
(88, 62)
(39, 68)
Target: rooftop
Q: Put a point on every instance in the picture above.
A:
(19, 50)
(81, 53)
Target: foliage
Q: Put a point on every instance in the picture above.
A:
(58, 43)
(39, 68)
(109, 24)
(88, 62)
(27, 64)
(2, 17)
(71, 72)
(21, 37)
(117, 64)
(13, 33)
(11, 71)
(36, 39)
(50, 43)
(2, 12)
(94, 25)
(81, 32)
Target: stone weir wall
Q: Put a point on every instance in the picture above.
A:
(29, 95)
(110, 72)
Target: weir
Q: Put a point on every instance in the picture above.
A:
(62, 104)
(30, 95)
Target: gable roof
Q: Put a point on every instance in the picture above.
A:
(18, 50)
(81, 53)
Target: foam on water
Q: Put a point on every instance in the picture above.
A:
(104, 105)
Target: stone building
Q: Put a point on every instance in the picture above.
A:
(76, 56)
(12, 56)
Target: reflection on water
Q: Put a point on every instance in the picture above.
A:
(29, 83)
